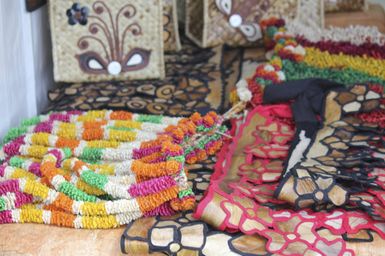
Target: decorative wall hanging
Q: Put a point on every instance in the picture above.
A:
(170, 26)
(345, 5)
(213, 22)
(33, 5)
(107, 40)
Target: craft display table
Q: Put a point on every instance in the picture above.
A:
(34, 239)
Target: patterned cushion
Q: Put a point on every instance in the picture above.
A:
(107, 40)
(234, 22)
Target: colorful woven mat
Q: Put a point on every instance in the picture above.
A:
(102, 169)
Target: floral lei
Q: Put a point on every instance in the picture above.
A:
(102, 169)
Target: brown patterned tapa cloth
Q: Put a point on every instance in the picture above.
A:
(197, 80)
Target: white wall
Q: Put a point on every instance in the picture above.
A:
(25, 63)
(42, 51)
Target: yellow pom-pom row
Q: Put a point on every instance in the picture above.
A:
(317, 58)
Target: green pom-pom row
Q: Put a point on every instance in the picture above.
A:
(150, 119)
(184, 193)
(31, 121)
(75, 193)
(16, 162)
(2, 204)
(94, 179)
(347, 76)
(93, 154)
(271, 31)
(67, 152)
(180, 159)
(14, 133)
(202, 143)
(120, 128)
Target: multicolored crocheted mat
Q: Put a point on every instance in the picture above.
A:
(102, 169)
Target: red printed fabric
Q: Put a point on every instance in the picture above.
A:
(241, 193)
(377, 116)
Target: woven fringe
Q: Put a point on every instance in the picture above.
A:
(356, 35)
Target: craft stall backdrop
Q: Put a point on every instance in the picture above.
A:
(301, 173)
(26, 64)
